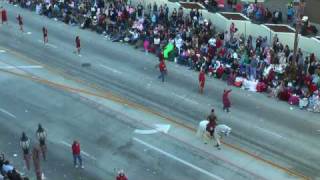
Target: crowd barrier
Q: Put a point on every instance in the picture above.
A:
(307, 44)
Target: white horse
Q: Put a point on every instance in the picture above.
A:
(202, 128)
(219, 131)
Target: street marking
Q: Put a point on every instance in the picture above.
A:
(48, 44)
(21, 67)
(185, 98)
(270, 132)
(8, 113)
(164, 128)
(111, 69)
(140, 107)
(82, 152)
(29, 33)
(178, 159)
(2, 51)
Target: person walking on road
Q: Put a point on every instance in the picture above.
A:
(121, 176)
(20, 22)
(219, 131)
(162, 69)
(78, 45)
(41, 135)
(76, 154)
(4, 17)
(25, 145)
(36, 161)
(202, 79)
(45, 34)
(226, 100)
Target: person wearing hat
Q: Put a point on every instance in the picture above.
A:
(25, 145)
(121, 176)
(41, 135)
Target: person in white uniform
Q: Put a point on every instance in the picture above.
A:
(219, 131)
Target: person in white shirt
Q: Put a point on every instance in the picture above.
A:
(212, 41)
(219, 131)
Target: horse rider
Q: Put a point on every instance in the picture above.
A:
(212, 118)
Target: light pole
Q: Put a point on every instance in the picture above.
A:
(299, 6)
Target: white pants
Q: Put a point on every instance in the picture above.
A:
(217, 138)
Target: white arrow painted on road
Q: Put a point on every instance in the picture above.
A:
(158, 128)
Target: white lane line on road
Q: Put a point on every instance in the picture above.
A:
(185, 98)
(82, 152)
(2, 51)
(270, 132)
(178, 159)
(111, 69)
(7, 113)
(21, 67)
(48, 44)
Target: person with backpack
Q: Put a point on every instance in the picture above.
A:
(41, 135)
(25, 145)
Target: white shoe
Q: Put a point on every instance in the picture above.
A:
(82, 167)
(76, 166)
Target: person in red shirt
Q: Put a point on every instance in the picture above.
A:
(4, 17)
(121, 176)
(76, 154)
(45, 34)
(226, 100)
(211, 125)
(78, 47)
(20, 21)
(163, 69)
(202, 79)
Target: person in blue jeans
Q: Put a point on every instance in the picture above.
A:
(76, 154)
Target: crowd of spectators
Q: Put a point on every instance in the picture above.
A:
(246, 62)
(7, 170)
(258, 13)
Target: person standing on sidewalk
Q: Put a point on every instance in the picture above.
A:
(25, 145)
(45, 34)
(162, 69)
(41, 135)
(225, 100)
(76, 154)
(20, 22)
(121, 176)
(202, 79)
(78, 45)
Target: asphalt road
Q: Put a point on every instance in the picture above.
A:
(261, 126)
